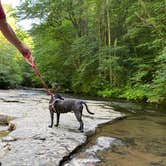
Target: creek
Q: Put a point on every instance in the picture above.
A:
(139, 139)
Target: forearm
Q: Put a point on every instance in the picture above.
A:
(9, 34)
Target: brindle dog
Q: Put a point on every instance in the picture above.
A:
(58, 106)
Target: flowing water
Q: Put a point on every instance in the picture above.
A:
(140, 139)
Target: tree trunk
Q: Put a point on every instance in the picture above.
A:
(108, 23)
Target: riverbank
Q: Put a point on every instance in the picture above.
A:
(137, 140)
(32, 142)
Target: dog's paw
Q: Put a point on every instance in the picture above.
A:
(56, 125)
(49, 126)
(81, 130)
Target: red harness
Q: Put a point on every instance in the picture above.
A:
(30, 60)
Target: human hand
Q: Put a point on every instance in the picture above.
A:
(24, 50)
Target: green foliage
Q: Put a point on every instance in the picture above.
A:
(9, 77)
(138, 93)
(159, 82)
(112, 93)
(11, 65)
(10, 74)
(85, 63)
(101, 47)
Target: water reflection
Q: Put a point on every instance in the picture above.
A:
(143, 137)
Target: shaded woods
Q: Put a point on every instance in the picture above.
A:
(109, 48)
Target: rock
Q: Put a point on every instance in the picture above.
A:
(103, 143)
(4, 119)
(39, 137)
(8, 139)
(4, 148)
(32, 142)
(11, 127)
(89, 156)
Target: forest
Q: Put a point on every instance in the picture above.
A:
(106, 48)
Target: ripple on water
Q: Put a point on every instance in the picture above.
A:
(89, 156)
(141, 140)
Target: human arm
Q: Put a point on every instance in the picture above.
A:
(10, 35)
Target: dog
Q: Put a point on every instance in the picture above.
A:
(57, 96)
(59, 105)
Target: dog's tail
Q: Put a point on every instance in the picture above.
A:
(87, 108)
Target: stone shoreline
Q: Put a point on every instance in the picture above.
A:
(32, 142)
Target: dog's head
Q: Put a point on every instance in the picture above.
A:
(58, 96)
(55, 99)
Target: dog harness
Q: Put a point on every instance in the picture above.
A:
(2, 13)
(52, 105)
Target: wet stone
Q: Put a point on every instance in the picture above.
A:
(8, 139)
(89, 156)
(39, 137)
(32, 142)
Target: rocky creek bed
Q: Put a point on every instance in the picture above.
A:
(32, 142)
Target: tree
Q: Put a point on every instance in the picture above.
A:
(103, 47)
(11, 74)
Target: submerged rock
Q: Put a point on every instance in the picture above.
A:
(102, 143)
(89, 157)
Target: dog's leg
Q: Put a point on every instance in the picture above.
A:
(52, 118)
(57, 119)
(78, 115)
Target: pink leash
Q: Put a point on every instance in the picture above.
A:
(30, 60)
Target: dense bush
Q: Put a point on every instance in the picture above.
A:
(100, 47)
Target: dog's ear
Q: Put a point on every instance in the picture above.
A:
(62, 98)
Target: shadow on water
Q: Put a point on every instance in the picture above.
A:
(142, 135)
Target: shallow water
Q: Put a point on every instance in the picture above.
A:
(142, 135)
(144, 141)
(3, 133)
